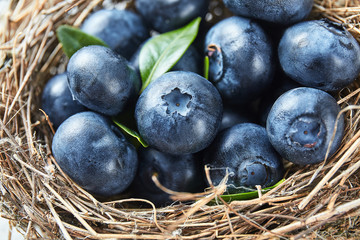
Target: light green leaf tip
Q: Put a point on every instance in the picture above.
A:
(161, 53)
(131, 133)
(72, 39)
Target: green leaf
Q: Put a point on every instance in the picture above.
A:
(206, 67)
(248, 195)
(160, 53)
(72, 39)
(131, 133)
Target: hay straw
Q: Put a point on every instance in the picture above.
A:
(42, 202)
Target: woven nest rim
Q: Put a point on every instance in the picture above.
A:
(42, 201)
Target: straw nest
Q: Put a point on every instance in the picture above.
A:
(321, 201)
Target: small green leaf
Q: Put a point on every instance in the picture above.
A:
(72, 39)
(161, 53)
(206, 68)
(131, 133)
(248, 195)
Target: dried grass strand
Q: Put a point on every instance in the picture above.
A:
(324, 216)
(330, 174)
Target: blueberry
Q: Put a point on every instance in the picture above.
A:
(166, 15)
(57, 101)
(190, 61)
(101, 80)
(244, 151)
(240, 55)
(283, 12)
(320, 54)
(232, 116)
(300, 125)
(179, 113)
(179, 173)
(122, 30)
(94, 154)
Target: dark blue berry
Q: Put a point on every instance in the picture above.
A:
(241, 59)
(57, 101)
(320, 54)
(101, 80)
(301, 123)
(179, 173)
(179, 113)
(166, 15)
(94, 154)
(245, 153)
(284, 12)
(122, 30)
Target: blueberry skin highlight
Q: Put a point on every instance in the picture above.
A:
(94, 154)
(178, 173)
(57, 101)
(179, 113)
(167, 15)
(122, 30)
(285, 12)
(241, 59)
(300, 125)
(320, 54)
(245, 152)
(101, 80)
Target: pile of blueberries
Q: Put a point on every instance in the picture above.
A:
(269, 99)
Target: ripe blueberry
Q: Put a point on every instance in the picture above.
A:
(166, 15)
(179, 113)
(244, 151)
(57, 101)
(283, 12)
(240, 55)
(101, 80)
(300, 125)
(179, 173)
(122, 30)
(94, 154)
(320, 54)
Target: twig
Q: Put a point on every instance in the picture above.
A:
(331, 173)
(342, 209)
